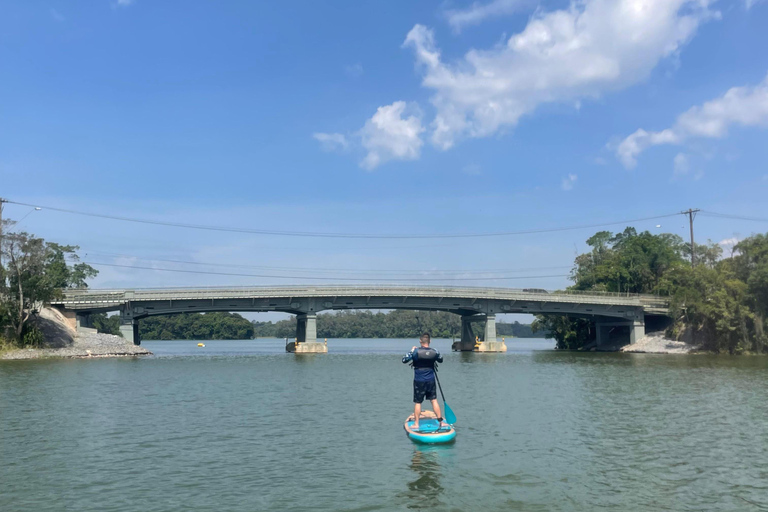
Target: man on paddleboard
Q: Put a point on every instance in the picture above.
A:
(423, 360)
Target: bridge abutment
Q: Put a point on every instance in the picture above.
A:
(306, 336)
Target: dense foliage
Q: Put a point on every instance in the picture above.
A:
(393, 324)
(33, 272)
(196, 326)
(721, 302)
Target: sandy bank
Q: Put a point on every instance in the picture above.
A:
(62, 341)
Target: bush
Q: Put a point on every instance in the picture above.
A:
(32, 337)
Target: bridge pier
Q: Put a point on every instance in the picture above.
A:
(636, 329)
(306, 336)
(490, 343)
(469, 342)
(130, 331)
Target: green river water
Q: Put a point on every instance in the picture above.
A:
(243, 426)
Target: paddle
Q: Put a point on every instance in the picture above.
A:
(449, 416)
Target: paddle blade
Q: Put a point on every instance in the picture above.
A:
(449, 416)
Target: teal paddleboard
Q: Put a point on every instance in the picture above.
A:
(429, 431)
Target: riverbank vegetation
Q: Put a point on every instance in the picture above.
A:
(345, 324)
(392, 324)
(33, 272)
(720, 303)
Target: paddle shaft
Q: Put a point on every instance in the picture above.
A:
(438, 385)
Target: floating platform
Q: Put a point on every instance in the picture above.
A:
(430, 431)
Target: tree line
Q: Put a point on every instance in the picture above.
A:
(345, 324)
(721, 302)
(392, 324)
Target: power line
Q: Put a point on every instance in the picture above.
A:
(326, 270)
(728, 216)
(136, 267)
(339, 235)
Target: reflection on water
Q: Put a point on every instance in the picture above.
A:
(425, 490)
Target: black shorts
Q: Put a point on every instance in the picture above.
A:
(422, 389)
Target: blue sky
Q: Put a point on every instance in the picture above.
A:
(380, 118)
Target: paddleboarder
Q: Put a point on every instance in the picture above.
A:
(423, 359)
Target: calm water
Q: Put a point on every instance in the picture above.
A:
(243, 426)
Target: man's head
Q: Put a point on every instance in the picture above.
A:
(424, 339)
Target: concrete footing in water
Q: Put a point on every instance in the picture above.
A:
(306, 347)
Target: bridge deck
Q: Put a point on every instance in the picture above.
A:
(85, 299)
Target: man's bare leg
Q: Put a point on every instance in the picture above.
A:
(436, 408)
(416, 415)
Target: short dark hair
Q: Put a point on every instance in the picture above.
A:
(425, 335)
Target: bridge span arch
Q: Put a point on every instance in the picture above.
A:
(472, 304)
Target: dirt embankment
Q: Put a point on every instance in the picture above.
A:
(62, 341)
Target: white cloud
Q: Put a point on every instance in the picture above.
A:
(331, 141)
(593, 47)
(750, 3)
(124, 3)
(477, 12)
(568, 182)
(740, 106)
(389, 136)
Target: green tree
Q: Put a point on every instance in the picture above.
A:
(34, 273)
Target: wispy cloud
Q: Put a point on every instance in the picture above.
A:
(681, 165)
(477, 12)
(740, 106)
(56, 15)
(331, 141)
(354, 70)
(472, 170)
(568, 182)
(123, 3)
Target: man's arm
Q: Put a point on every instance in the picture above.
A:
(409, 356)
(439, 357)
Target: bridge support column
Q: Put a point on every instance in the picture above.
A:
(602, 333)
(490, 343)
(130, 331)
(467, 341)
(636, 329)
(306, 336)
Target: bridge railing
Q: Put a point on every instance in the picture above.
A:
(121, 295)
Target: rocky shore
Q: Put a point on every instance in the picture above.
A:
(62, 341)
(656, 343)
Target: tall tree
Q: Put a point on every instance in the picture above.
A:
(34, 273)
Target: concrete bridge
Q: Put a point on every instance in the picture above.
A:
(610, 311)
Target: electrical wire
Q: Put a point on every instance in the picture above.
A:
(136, 267)
(728, 216)
(327, 270)
(339, 235)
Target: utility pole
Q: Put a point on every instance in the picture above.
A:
(691, 212)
